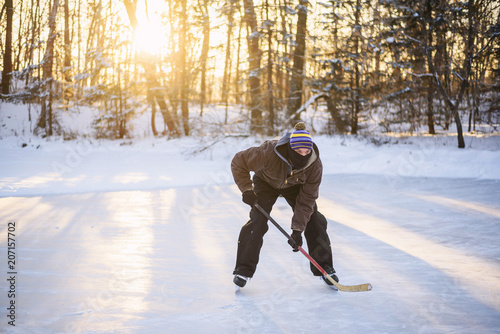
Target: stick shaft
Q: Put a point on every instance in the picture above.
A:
(274, 222)
(309, 257)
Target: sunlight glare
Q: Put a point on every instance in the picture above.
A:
(150, 36)
(461, 205)
(464, 267)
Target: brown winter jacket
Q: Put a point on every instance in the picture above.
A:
(270, 165)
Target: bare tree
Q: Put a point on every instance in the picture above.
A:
(151, 79)
(67, 43)
(46, 118)
(269, 24)
(464, 75)
(430, 80)
(229, 11)
(203, 7)
(254, 65)
(68, 91)
(7, 56)
(184, 73)
(296, 84)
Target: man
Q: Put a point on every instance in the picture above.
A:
(289, 167)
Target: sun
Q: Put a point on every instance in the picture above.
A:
(150, 35)
(149, 39)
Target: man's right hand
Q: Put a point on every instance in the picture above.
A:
(249, 197)
(297, 238)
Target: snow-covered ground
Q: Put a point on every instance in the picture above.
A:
(139, 236)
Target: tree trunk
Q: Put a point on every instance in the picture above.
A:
(338, 123)
(7, 57)
(46, 116)
(296, 85)
(238, 97)
(357, 87)
(430, 81)
(204, 53)
(98, 30)
(151, 100)
(270, 95)
(120, 121)
(183, 66)
(254, 66)
(67, 45)
(20, 41)
(227, 62)
(167, 115)
(281, 77)
(430, 106)
(68, 91)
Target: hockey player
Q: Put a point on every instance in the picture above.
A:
(290, 167)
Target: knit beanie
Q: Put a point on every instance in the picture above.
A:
(300, 138)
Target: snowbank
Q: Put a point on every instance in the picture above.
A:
(57, 166)
(32, 166)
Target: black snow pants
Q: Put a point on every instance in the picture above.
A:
(251, 235)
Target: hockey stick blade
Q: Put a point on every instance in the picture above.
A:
(354, 288)
(345, 288)
(350, 288)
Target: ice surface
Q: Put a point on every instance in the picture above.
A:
(160, 260)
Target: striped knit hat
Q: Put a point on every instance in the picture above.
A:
(300, 138)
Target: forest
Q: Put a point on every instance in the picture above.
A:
(406, 65)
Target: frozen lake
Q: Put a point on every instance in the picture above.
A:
(161, 260)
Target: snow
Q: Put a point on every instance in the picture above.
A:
(140, 236)
(390, 40)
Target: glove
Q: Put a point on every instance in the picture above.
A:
(297, 240)
(249, 197)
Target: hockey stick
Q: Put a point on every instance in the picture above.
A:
(346, 288)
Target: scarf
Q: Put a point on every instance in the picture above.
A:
(298, 161)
